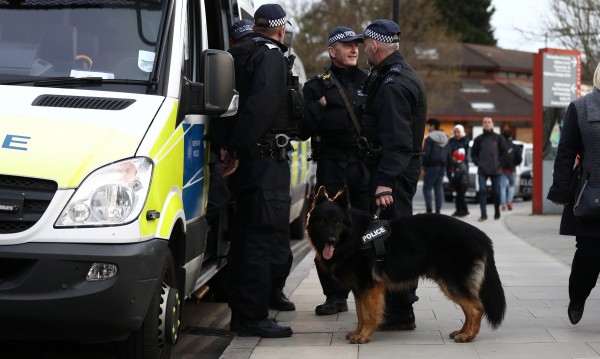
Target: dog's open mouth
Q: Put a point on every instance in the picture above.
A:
(328, 251)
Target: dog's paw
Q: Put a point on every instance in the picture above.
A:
(357, 339)
(461, 338)
(452, 335)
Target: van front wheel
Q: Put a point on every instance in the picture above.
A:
(160, 328)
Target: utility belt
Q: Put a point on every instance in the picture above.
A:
(275, 148)
(350, 149)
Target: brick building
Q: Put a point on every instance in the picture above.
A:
(493, 82)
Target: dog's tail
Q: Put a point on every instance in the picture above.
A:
(492, 294)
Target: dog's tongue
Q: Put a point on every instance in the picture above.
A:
(328, 251)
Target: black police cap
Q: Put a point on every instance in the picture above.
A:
(270, 15)
(383, 30)
(343, 34)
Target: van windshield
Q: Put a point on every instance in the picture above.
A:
(110, 39)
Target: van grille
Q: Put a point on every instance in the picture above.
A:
(92, 103)
(23, 201)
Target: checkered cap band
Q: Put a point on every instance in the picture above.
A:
(379, 37)
(277, 22)
(241, 30)
(340, 36)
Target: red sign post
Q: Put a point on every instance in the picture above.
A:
(556, 82)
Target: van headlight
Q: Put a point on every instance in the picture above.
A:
(111, 195)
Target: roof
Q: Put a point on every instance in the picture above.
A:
(497, 99)
(504, 92)
(495, 58)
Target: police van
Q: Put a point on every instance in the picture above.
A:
(105, 111)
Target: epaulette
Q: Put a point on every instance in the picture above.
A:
(258, 41)
(327, 80)
(392, 72)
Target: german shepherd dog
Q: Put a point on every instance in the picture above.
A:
(456, 255)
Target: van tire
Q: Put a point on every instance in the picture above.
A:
(298, 225)
(144, 342)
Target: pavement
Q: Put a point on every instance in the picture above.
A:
(534, 265)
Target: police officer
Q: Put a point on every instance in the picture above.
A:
(394, 125)
(329, 108)
(256, 162)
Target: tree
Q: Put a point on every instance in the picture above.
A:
(576, 25)
(425, 41)
(469, 20)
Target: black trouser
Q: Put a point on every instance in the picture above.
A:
(334, 175)
(585, 268)
(260, 255)
(461, 203)
(403, 192)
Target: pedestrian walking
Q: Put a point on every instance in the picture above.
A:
(393, 125)
(256, 161)
(578, 154)
(435, 158)
(331, 119)
(488, 149)
(510, 161)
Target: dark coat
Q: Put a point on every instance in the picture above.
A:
(261, 94)
(488, 149)
(332, 122)
(398, 105)
(563, 190)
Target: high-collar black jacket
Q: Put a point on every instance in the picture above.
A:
(332, 122)
(396, 109)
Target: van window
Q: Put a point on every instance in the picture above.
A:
(100, 38)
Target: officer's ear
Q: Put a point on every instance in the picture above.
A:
(331, 51)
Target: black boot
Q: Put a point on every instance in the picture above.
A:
(399, 314)
(332, 305)
(575, 311)
(280, 302)
(264, 328)
(399, 320)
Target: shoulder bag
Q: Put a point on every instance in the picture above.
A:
(587, 201)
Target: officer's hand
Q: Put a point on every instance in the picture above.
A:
(383, 196)
(223, 159)
(229, 170)
(227, 163)
(323, 101)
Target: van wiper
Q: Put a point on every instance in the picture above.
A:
(60, 81)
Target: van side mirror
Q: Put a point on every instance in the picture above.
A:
(215, 94)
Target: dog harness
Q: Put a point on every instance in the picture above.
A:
(374, 237)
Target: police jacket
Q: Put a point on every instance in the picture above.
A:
(394, 118)
(261, 81)
(488, 149)
(332, 122)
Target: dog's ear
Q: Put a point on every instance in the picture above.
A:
(343, 197)
(321, 195)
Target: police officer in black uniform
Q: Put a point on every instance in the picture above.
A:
(256, 162)
(394, 125)
(328, 121)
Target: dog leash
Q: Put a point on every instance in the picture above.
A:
(377, 213)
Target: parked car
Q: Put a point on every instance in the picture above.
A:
(523, 181)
